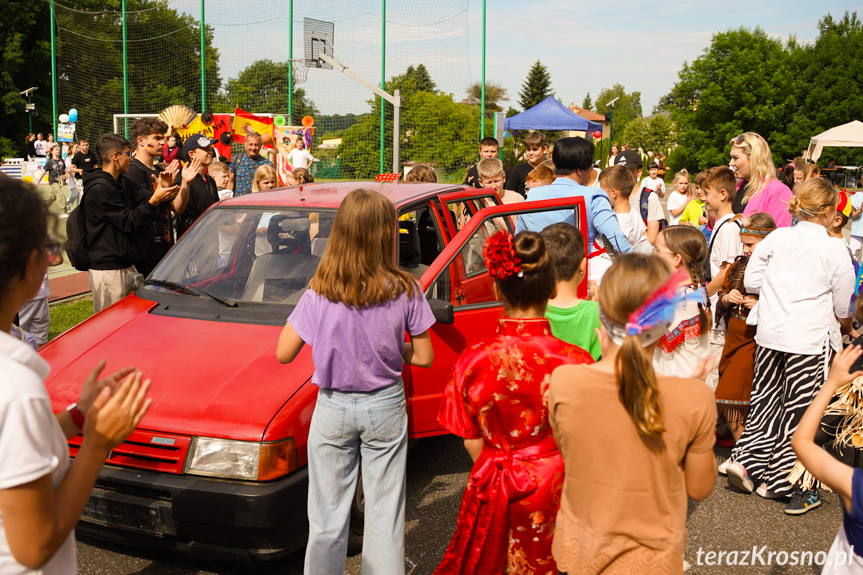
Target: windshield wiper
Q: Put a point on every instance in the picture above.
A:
(188, 289)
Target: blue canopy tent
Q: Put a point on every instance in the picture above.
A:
(550, 115)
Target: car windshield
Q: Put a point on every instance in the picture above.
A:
(246, 255)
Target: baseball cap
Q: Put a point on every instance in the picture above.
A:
(844, 206)
(196, 141)
(628, 158)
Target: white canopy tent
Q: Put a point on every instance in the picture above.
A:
(845, 136)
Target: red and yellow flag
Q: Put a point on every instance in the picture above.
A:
(245, 122)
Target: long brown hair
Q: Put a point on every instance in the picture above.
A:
(625, 287)
(358, 267)
(689, 243)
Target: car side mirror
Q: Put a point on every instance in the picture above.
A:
(442, 311)
(134, 281)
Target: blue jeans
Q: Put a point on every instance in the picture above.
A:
(347, 426)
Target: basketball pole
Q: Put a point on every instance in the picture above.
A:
(482, 96)
(290, 62)
(383, 77)
(395, 99)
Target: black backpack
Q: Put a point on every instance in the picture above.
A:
(76, 242)
(643, 203)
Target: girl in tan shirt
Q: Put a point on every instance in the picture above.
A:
(634, 444)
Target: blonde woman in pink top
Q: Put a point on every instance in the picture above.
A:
(759, 190)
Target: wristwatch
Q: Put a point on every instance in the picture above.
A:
(77, 415)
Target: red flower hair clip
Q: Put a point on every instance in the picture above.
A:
(500, 257)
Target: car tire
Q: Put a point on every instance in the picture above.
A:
(358, 513)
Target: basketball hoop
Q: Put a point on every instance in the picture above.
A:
(300, 71)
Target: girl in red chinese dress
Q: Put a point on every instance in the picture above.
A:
(495, 401)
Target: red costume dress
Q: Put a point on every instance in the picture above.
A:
(507, 514)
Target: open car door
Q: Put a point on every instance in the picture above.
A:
(459, 289)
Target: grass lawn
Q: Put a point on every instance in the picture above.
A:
(68, 315)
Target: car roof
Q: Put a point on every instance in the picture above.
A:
(331, 194)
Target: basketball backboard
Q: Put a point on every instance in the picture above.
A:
(317, 38)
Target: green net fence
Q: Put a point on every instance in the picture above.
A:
(422, 48)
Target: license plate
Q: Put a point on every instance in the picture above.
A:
(118, 511)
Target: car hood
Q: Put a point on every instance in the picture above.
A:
(208, 378)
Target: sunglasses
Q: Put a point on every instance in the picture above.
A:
(127, 154)
(739, 139)
(52, 247)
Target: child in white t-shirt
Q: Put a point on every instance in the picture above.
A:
(720, 188)
(618, 182)
(653, 181)
(679, 197)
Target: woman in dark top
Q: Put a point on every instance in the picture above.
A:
(55, 168)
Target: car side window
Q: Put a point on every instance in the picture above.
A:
(475, 287)
(420, 239)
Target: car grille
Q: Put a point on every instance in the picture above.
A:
(163, 452)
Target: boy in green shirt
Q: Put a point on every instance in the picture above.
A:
(573, 320)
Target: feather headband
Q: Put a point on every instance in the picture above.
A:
(653, 318)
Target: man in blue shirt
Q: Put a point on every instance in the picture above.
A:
(573, 158)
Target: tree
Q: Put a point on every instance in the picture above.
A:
(536, 88)
(829, 79)
(494, 93)
(744, 81)
(25, 57)
(626, 108)
(434, 129)
(163, 60)
(262, 86)
(586, 104)
(421, 79)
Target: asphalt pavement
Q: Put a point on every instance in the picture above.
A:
(438, 469)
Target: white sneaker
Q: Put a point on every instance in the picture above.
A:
(762, 491)
(738, 477)
(723, 467)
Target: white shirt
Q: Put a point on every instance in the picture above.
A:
(652, 183)
(805, 280)
(32, 445)
(684, 358)
(635, 231)
(725, 246)
(300, 158)
(675, 201)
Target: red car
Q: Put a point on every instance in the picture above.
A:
(217, 468)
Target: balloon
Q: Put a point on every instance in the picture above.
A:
(63, 118)
(207, 118)
(308, 121)
(73, 117)
(266, 138)
(226, 138)
(506, 134)
(73, 112)
(597, 134)
(279, 120)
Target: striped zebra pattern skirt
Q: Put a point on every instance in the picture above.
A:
(784, 386)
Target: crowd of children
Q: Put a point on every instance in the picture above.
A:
(590, 422)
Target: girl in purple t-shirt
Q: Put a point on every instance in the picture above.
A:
(354, 316)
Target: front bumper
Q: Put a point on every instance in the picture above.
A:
(215, 519)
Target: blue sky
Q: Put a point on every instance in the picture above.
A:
(589, 46)
(586, 46)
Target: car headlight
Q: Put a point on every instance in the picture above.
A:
(247, 460)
